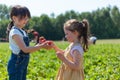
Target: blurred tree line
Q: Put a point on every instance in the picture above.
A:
(104, 23)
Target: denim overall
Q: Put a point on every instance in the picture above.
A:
(17, 65)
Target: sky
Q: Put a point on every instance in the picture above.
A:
(38, 7)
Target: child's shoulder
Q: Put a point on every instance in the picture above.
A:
(78, 47)
(14, 31)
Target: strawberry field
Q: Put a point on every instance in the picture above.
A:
(101, 62)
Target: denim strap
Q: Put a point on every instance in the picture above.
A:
(19, 30)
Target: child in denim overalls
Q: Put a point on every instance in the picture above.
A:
(19, 43)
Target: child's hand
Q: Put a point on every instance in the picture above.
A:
(50, 43)
(60, 55)
(42, 39)
(47, 44)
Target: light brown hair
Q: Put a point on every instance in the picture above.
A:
(82, 28)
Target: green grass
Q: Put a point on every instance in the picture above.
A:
(108, 41)
(101, 62)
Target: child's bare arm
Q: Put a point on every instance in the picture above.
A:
(29, 49)
(56, 48)
(72, 64)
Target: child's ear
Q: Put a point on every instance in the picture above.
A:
(76, 32)
(14, 18)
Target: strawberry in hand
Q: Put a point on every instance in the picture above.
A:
(49, 43)
(42, 39)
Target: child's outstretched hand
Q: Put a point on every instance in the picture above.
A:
(41, 39)
(47, 44)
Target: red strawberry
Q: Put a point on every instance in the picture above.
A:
(50, 42)
(42, 39)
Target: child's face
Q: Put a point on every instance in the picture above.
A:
(20, 22)
(70, 36)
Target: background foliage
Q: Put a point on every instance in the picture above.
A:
(104, 23)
